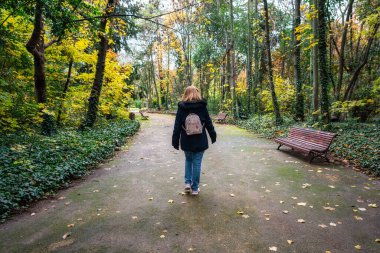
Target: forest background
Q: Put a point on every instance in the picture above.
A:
(71, 70)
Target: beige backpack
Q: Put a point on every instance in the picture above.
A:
(193, 124)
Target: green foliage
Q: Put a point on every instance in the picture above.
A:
(33, 166)
(359, 144)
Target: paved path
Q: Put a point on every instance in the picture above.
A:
(123, 206)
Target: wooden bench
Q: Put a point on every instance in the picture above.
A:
(221, 117)
(312, 142)
(143, 116)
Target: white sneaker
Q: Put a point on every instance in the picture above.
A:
(196, 192)
(187, 188)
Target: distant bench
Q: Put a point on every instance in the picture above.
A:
(312, 142)
(221, 118)
(143, 116)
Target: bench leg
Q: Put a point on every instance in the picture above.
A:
(278, 148)
(312, 156)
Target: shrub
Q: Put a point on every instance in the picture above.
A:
(33, 166)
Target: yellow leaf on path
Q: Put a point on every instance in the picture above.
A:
(377, 240)
(70, 225)
(294, 198)
(372, 205)
(306, 185)
(301, 204)
(170, 201)
(290, 242)
(134, 217)
(273, 248)
(162, 236)
(245, 216)
(332, 224)
(329, 208)
(362, 209)
(151, 198)
(285, 211)
(322, 226)
(232, 195)
(190, 249)
(332, 187)
(358, 218)
(328, 251)
(240, 212)
(301, 221)
(282, 202)
(358, 247)
(32, 214)
(66, 235)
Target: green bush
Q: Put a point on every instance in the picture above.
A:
(33, 166)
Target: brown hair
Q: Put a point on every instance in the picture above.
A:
(191, 94)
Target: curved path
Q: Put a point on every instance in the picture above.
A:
(124, 205)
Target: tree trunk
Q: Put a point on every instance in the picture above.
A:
(167, 75)
(297, 63)
(235, 109)
(270, 68)
(155, 83)
(315, 66)
(364, 59)
(249, 55)
(342, 47)
(65, 88)
(96, 89)
(36, 47)
(257, 62)
(323, 71)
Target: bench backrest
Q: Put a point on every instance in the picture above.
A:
(222, 115)
(320, 137)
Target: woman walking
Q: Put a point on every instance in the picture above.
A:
(191, 121)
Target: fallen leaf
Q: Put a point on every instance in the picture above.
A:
(322, 226)
(232, 195)
(273, 248)
(70, 225)
(301, 221)
(240, 212)
(79, 219)
(358, 247)
(290, 242)
(362, 209)
(358, 218)
(285, 211)
(134, 217)
(282, 202)
(332, 187)
(66, 235)
(190, 249)
(377, 240)
(245, 216)
(170, 201)
(306, 185)
(162, 236)
(332, 224)
(96, 191)
(372, 205)
(151, 198)
(328, 251)
(329, 208)
(171, 178)
(301, 204)
(267, 218)
(267, 191)
(183, 202)
(32, 214)
(294, 198)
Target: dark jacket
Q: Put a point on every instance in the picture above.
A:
(194, 143)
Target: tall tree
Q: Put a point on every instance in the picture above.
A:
(314, 53)
(342, 49)
(299, 110)
(235, 109)
(92, 110)
(322, 61)
(249, 54)
(276, 106)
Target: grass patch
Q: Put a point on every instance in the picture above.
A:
(34, 166)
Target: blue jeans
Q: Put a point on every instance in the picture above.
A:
(193, 168)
